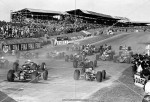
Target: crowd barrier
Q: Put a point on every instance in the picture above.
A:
(21, 44)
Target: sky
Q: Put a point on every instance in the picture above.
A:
(135, 10)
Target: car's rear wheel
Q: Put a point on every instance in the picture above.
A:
(45, 75)
(76, 75)
(10, 75)
(43, 66)
(103, 74)
(99, 76)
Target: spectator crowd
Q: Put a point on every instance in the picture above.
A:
(34, 28)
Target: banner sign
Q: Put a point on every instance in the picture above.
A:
(23, 46)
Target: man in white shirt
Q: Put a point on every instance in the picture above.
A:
(147, 92)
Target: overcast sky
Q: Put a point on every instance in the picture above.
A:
(135, 10)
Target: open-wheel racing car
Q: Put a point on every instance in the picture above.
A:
(89, 74)
(55, 55)
(125, 55)
(84, 63)
(28, 71)
(85, 69)
(74, 57)
(106, 54)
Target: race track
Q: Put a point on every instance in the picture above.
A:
(61, 85)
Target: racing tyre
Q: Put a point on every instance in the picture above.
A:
(43, 66)
(97, 57)
(10, 75)
(45, 75)
(109, 48)
(76, 75)
(129, 48)
(67, 58)
(75, 64)
(95, 63)
(120, 47)
(103, 74)
(34, 77)
(99, 76)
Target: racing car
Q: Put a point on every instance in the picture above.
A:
(28, 71)
(85, 63)
(125, 55)
(89, 74)
(56, 55)
(106, 54)
(73, 57)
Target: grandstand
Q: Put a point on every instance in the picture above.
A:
(93, 17)
(36, 23)
(35, 14)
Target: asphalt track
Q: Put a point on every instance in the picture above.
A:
(61, 86)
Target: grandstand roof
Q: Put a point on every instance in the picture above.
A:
(91, 14)
(140, 22)
(43, 11)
